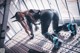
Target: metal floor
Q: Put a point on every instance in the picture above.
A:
(21, 44)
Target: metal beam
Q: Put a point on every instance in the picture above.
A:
(37, 4)
(42, 4)
(78, 6)
(4, 22)
(59, 11)
(25, 4)
(19, 4)
(67, 10)
(49, 3)
(15, 5)
(31, 3)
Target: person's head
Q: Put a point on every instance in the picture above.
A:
(31, 11)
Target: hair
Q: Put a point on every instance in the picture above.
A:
(31, 11)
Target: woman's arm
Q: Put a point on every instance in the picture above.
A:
(33, 21)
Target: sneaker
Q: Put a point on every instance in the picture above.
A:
(32, 37)
(56, 47)
(57, 43)
(73, 30)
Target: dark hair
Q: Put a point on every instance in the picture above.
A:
(31, 11)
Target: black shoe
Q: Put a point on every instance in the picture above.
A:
(56, 47)
(56, 42)
(32, 37)
(73, 30)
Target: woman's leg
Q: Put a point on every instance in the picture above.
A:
(55, 23)
(25, 27)
(31, 29)
(45, 23)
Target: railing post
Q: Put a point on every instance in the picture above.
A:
(4, 23)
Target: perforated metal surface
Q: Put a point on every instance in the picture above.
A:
(40, 43)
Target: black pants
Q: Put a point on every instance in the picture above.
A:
(46, 19)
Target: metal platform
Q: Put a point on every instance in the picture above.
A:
(21, 43)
